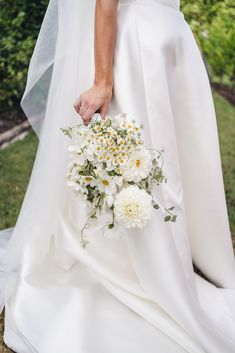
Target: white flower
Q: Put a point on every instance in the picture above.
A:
(96, 118)
(109, 199)
(77, 187)
(133, 207)
(109, 162)
(79, 159)
(90, 152)
(87, 180)
(138, 165)
(106, 183)
(78, 140)
(105, 220)
(119, 120)
(102, 140)
(74, 148)
(118, 180)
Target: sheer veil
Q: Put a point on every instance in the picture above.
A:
(67, 26)
(66, 35)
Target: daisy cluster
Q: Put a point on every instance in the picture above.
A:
(113, 171)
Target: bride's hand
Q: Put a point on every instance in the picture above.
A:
(97, 98)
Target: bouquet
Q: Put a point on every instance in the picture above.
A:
(115, 174)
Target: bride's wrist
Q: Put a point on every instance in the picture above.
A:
(106, 83)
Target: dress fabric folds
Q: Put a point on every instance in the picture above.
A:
(138, 293)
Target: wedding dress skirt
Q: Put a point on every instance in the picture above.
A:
(139, 293)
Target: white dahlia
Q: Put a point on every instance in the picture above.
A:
(133, 207)
(138, 165)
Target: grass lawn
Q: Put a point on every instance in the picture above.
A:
(17, 159)
(226, 126)
(15, 167)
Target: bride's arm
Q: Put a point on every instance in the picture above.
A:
(99, 95)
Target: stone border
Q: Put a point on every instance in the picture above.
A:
(16, 133)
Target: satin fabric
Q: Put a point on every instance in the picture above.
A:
(138, 293)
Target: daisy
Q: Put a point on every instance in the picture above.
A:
(106, 183)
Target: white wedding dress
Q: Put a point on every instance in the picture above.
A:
(139, 293)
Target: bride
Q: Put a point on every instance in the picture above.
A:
(138, 293)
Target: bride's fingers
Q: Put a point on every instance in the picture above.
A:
(86, 117)
(77, 105)
(83, 108)
(104, 110)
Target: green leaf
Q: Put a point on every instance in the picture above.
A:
(167, 218)
(156, 206)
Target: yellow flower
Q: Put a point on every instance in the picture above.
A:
(108, 158)
(110, 140)
(101, 139)
(118, 171)
(121, 161)
(105, 182)
(88, 179)
(120, 141)
(123, 125)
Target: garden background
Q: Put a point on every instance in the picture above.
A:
(213, 23)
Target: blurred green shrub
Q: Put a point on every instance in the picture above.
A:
(213, 22)
(20, 22)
